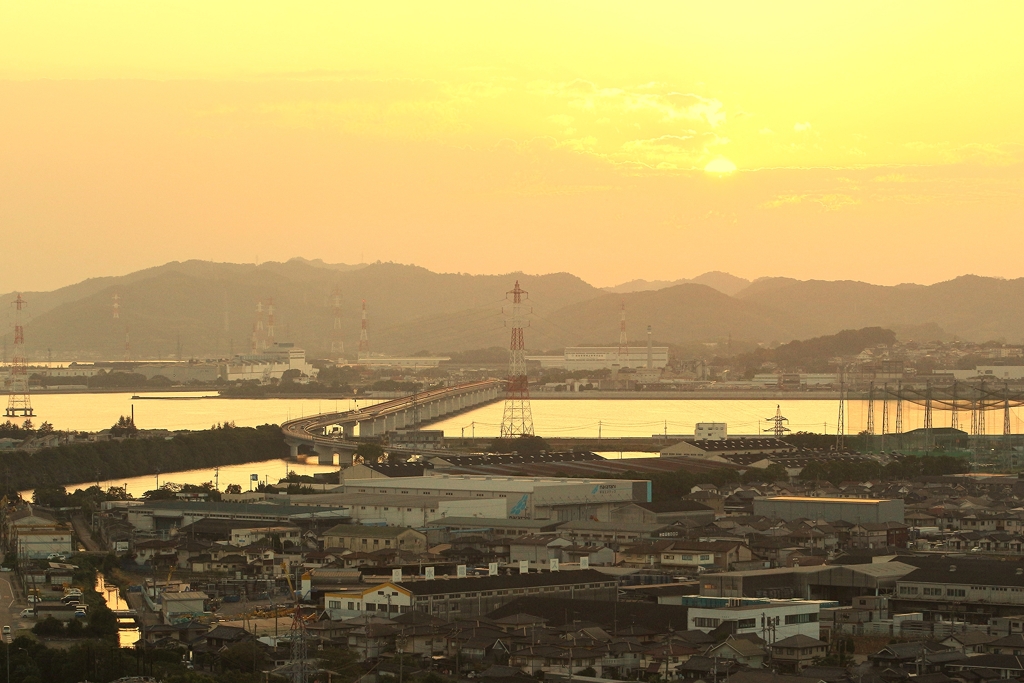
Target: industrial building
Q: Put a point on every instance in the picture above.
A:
(605, 358)
(856, 510)
(270, 364)
(780, 618)
(822, 582)
(719, 446)
(962, 589)
(524, 497)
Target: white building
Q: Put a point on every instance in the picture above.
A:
(384, 600)
(774, 620)
(1002, 372)
(524, 497)
(604, 357)
(711, 431)
(271, 364)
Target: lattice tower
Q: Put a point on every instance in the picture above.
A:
(364, 338)
(19, 403)
(518, 416)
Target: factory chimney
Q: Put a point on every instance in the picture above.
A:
(650, 350)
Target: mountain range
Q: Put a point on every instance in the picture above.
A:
(203, 309)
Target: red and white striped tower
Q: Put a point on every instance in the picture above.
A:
(623, 346)
(254, 346)
(518, 418)
(261, 331)
(364, 339)
(270, 324)
(337, 340)
(19, 403)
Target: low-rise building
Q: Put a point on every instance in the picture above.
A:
(361, 538)
(780, 618)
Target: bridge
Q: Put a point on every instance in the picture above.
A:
(333, 434)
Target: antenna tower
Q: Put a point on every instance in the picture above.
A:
(337, 342)
(623, 346)
(364, 339)
(19, 403)
(518, 418)
(779, 427)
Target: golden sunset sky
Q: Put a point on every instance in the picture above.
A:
(870, 141)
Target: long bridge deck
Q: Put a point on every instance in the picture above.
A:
(331, 435)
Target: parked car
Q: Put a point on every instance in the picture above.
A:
(56, 557)
(28, 614)
(79, 614)
(33, 599)
(7, 631)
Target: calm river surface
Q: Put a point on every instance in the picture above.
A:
(552, 417)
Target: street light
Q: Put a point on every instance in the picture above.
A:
(400, 644)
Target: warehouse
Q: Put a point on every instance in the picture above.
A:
(822, 582)
(856, 510)
(524, 497)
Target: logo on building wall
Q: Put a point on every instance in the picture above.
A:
(519, 509)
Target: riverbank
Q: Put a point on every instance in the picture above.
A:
(704, 395)
(75, 463)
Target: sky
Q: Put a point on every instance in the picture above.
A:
(869, 141)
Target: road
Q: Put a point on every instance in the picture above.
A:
(83, 532)
(11, 605)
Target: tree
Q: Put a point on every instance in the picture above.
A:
(233, 488)
(125, 426)
(241, 657)
(369, 452)
(44, 429)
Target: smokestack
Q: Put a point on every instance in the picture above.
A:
(650, 350)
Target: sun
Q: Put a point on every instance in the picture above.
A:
(720, 165)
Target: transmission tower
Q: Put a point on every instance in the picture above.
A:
(19, 403)
(127, 346)
(259, 331)
(841, 423)
(270, 324)
(928, 416)
(623, 346)
(954, 419)
(364, 340)
(1006, 410)
(885, 413)
(871, 410)
(337, 341)
(518, 418)
(117, 306)
(899, 414)
(778, 427)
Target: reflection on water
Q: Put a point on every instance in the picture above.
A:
(127, 631)
(622, 417)
(93, 412)
(271, 471)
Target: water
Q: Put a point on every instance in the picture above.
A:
(268, 471)
(552, 418)
(196, 410)
(127, 631)
(615, 417)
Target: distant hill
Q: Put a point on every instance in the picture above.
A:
(209, 309)
(723, 282)
(970, 307)
(817, 354)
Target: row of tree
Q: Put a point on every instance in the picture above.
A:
(92, 461)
